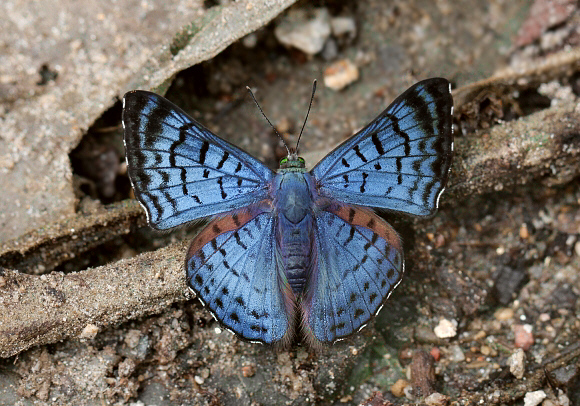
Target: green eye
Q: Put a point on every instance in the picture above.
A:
(301, 160)
(283, 161)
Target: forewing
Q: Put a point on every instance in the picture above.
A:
(401, 160)
(358, 263)
(234, 268)
(180, 171)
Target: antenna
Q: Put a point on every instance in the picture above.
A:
(271, 125)
(307, 113)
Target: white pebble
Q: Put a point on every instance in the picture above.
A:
(250, 40)
(306, 32)
(90, 331)
(436, 399)
(446, 328)
(516, 362)
(343, 25)
(456, 354)
(534, 398)
(340, 74)
(563, 400)
(544, 317)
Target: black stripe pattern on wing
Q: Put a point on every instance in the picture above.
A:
(401, 160)
(180, 171)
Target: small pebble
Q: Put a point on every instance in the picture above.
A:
(132, 338)
(424, 334)
(126, 367)
(524, 233)
(485, 350)
(409, 392)
(2, 281)
(523, 336)
(577, 248)
(563, 400)
(534, 398)
(198, 379)
(90, 331)
(456, 354)
(446, 328)
(504, 314)
(398, 388)
(544, 317)
(348, 398)
(439, 240)
(248, 371)
(204, 373)
(435, 353)
(565, 375)
(516, 362)
(405, 353)
(340, 74)
(568, 221)
(250, 40)
(305, 31)
(436, 399)
(342, 26)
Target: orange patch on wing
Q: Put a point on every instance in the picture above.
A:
(222, 225)
(359, 216)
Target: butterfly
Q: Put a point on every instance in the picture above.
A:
(293, 251)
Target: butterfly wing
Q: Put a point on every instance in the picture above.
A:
(234, 267)
(358, 263)
(401, 160)
(180, 171)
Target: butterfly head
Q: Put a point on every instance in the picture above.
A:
(292, 161)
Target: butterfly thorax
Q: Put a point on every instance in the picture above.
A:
(295, 221)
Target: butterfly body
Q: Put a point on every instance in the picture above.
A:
(293, 209)
(293, 250)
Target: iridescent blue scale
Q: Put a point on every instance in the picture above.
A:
(296, 250)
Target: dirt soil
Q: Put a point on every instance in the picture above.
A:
(95, 306)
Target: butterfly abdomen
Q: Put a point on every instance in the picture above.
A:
(295, 221)
(294, 242)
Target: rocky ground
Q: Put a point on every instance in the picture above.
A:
(95, 308)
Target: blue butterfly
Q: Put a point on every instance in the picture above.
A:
(294, 250)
